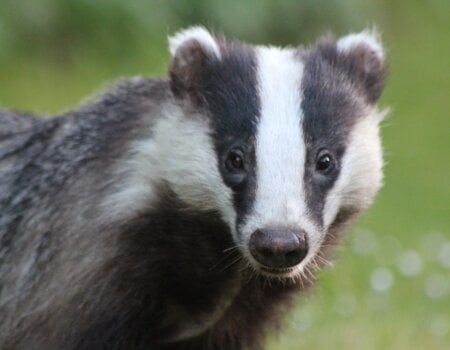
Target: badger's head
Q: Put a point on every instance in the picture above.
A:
(295, 138)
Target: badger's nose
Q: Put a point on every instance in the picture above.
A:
(278, 248)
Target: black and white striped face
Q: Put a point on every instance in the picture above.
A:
(295, 132)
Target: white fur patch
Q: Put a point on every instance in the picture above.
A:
(361, 169)
(197, 33)
(280, 150)
(188, 161)
(369, 38)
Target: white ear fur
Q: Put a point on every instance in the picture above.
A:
(197, 33)
(368, 37)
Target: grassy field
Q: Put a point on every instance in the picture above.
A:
(390, 287)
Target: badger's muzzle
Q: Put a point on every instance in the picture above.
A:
(277, 248)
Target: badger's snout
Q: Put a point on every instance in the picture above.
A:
(278, 248)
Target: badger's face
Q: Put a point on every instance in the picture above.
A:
(295, 133)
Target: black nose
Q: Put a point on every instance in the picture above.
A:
(278, 248)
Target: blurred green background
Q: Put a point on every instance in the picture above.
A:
(390, 288)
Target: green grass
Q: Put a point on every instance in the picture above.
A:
(408, 225)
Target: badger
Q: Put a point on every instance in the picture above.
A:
(186, 212)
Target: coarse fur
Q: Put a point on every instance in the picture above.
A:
(124, 226)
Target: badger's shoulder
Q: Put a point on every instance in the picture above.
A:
(45, 153)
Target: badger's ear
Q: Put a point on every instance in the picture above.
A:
(192, 50)
(363, 58)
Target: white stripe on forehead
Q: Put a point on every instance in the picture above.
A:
(280, 150)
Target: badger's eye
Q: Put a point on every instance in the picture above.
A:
(235, 160)
(324, 162)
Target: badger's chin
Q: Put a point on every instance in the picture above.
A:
(287, 276)
(296, 273)
(288, 272)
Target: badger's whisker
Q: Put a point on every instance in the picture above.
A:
(324, 261)
(223, 258)
(233, 262)
(234, 247)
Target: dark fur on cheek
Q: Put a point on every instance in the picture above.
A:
(229, 89)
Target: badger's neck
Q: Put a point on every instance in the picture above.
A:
(205, 285)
